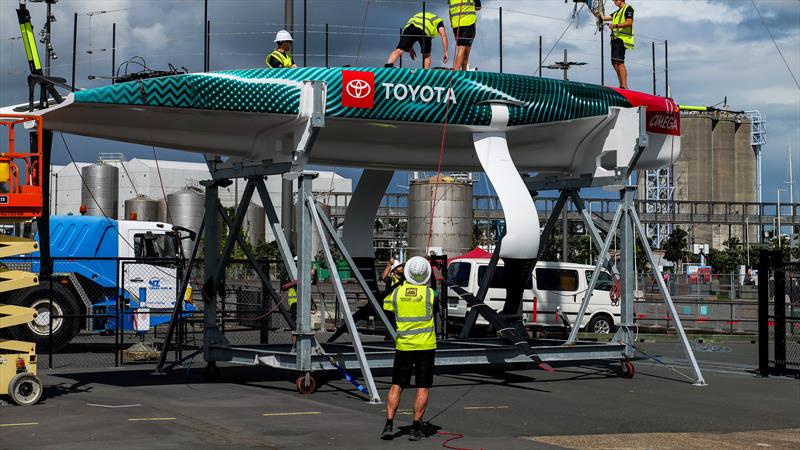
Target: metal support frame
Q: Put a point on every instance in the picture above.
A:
(310, 204)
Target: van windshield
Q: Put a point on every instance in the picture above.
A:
(149, 245)
(458, 273)
(604, 281)
(499, 278)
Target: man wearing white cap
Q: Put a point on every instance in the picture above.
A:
(281, 56)
(415, 306)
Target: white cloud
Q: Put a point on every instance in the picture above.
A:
(152, 38)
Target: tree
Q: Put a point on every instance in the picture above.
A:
(729, 259)
(676, 245)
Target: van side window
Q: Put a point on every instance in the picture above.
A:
(556, 279)
(604, 283)
(499, 278)
(458, 273)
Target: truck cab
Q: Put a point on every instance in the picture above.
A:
(553, 287)
(108, 276)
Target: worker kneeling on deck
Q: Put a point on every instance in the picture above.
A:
(282, 56)
(415, 306)
(422, 31)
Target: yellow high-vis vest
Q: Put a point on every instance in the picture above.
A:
(292, 296)
(413, 309)
(624, 34)
(284, 58)
(462, 13)
(431, 27)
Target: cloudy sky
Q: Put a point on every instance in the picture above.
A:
(717, 49)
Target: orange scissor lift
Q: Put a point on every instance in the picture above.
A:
(21, 199)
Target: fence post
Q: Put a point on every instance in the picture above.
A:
(117, 309)
(764, 265)
(779, 304)
(50, 325)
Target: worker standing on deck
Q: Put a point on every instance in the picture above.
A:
(282, 57)
(415, 306)
(621, 27)
(463, 18)
(422, 31)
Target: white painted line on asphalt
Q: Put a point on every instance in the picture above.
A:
(24, 424)
(112, 406)
(486, 407)
(150, 419)
(306, 413)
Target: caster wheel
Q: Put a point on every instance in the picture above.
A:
(25, 389)
(211, 372)
(306, 384)
(627, 370)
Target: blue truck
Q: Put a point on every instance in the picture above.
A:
(108, 275)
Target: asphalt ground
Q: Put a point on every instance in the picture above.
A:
(587, 406)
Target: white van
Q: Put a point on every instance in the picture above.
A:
(552, 285)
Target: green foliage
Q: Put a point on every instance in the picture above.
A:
(676, 246)
(728, 259)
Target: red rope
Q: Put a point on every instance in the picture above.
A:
(453, 437)
(444, 136)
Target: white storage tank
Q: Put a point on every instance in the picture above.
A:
(452, 217)
(100, 190)
(185, 208)
(255, 224)
(143, 208)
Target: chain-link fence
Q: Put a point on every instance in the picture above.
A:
(779, 315)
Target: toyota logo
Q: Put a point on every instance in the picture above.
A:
(358, 89)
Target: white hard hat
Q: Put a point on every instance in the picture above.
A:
(418, 270)
(283, 35)
(396, 264)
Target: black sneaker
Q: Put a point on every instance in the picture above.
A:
(416, 435)
(388, 433)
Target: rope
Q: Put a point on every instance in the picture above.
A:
(453, 437)
(361, 39)
(444, 137)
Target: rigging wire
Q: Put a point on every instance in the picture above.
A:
(774, 42)
(109, 220)
(569, 25)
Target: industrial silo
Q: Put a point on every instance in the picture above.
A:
(185, 208)
(452, 216)
(142, 208)
(100, 190)
(254, 225)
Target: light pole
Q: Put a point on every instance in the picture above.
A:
(778, 217)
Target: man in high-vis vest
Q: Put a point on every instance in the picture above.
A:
(422, 31)
(415, 306)
(621, 27)
(290, 288)
(463, 18)
(282, 57)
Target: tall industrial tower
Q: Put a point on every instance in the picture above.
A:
(658, 193)
(759, 139)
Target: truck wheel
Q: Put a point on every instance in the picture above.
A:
(600, 324)
(25, 389)
(65, 323)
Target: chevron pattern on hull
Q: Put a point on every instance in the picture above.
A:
(397, 95)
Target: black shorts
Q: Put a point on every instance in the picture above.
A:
(617, 51)
(293, 312)
(465, 35)
(420, 362)
(412, 35)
